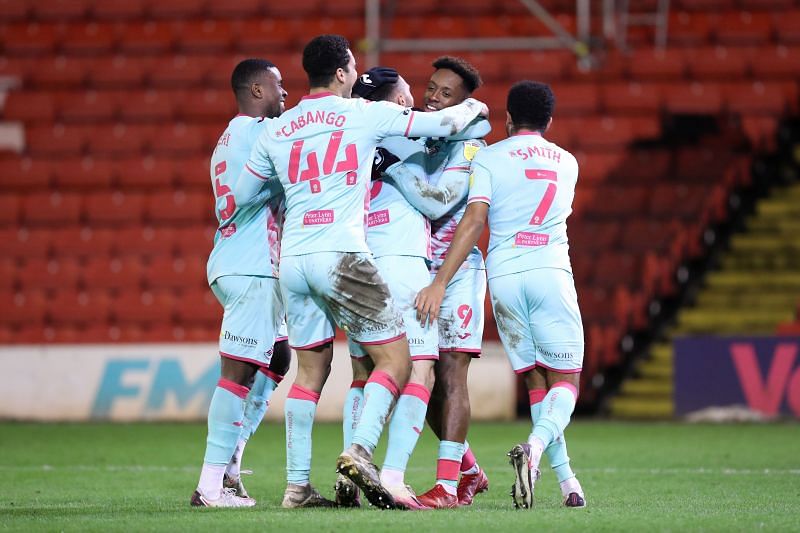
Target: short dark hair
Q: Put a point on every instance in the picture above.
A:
(246, 73)
(531, 104)
(382, 84)
(322, 56)
(469, 74)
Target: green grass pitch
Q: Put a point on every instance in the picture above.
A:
(645, 477)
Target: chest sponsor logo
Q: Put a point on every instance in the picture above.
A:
(318, 217)
(378, 218)
(525, 238)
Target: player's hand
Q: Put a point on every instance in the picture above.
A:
(484, 109)
(428, 302)
(383, 160)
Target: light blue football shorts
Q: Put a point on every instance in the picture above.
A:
(538, 319)
(461, 314)
(252, 317)
(324, 289)
(406, 276)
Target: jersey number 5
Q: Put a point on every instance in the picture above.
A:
(329, 164)
(221, 190)
(549, 195)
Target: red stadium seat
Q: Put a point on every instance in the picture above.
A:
(210, 105)
(199, 307)
(616, 202)
(54, 140)
(195, 240)
(632, 97)
(148, 37)
(23, 308)
(695, 97)
(10, 210)
(8, 273)
(147, 173)
(742, 27)
(51, 208)
(593, 236)
(302, 9)
(179, 208)
(687, 28)
(188, 272)
(15, 11)
(24, 173)
(119, 140)
(149, 105)
(595, 166)
(700, 164)
(88, 106)
(24, 38)
(208, 36)
(83, 241)
(771, 98)
(62, 273)
(149, 307)
(85, 173)
(114, 208)
(253, 36)
(177, 9)
(237, 9)
(667, 64)
(641, 167)
(575, 99)
(25, 242)
(128, 10)
(117, 273)
(613, 269)
(118, 71)
(30, 107)
(147, 241)
(781, 62)
(58, 71)
(545, 66)
(89, 39)
(193, 172)
(61, 10)
(178, 140)
(719, 62)
(180, 71)
(787, 26)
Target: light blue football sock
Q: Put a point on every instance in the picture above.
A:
(257, 403)
(351, 412)
(555, 412)
(449, 463)
(225, 414)
(557, 451)
(379, 395)
(300, 408)
(406, 426)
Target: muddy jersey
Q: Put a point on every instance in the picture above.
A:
(394, 227)
(435, 180)
(321, 152)
(247, 242)
(529, 184)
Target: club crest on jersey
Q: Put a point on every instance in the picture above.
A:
(470, 149)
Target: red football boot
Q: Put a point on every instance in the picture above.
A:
(438, 498)
(471, 484)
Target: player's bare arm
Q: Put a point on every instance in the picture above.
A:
(467, 234)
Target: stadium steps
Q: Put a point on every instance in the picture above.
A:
(756, 288)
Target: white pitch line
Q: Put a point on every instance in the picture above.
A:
(592, 470)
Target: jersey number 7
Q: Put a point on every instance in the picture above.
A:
(549, 195)
(329, 164)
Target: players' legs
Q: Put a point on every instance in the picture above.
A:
(556, 452)
(243, 345)
(407, 423)
(361, 366)
(265, 381)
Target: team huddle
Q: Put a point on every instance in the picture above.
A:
(355, 209)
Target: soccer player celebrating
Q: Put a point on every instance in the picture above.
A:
(435, 180)
(321, 152)
(242, 272)
(525, 185)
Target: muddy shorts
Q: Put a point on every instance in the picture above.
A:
(326, 289)
(252, 317)
(461, 314)
(538, 319)
(406, 276)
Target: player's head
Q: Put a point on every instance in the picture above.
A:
(453, 81)
(330, 64)
(258, 87)
(383, 83)
(529, 106)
